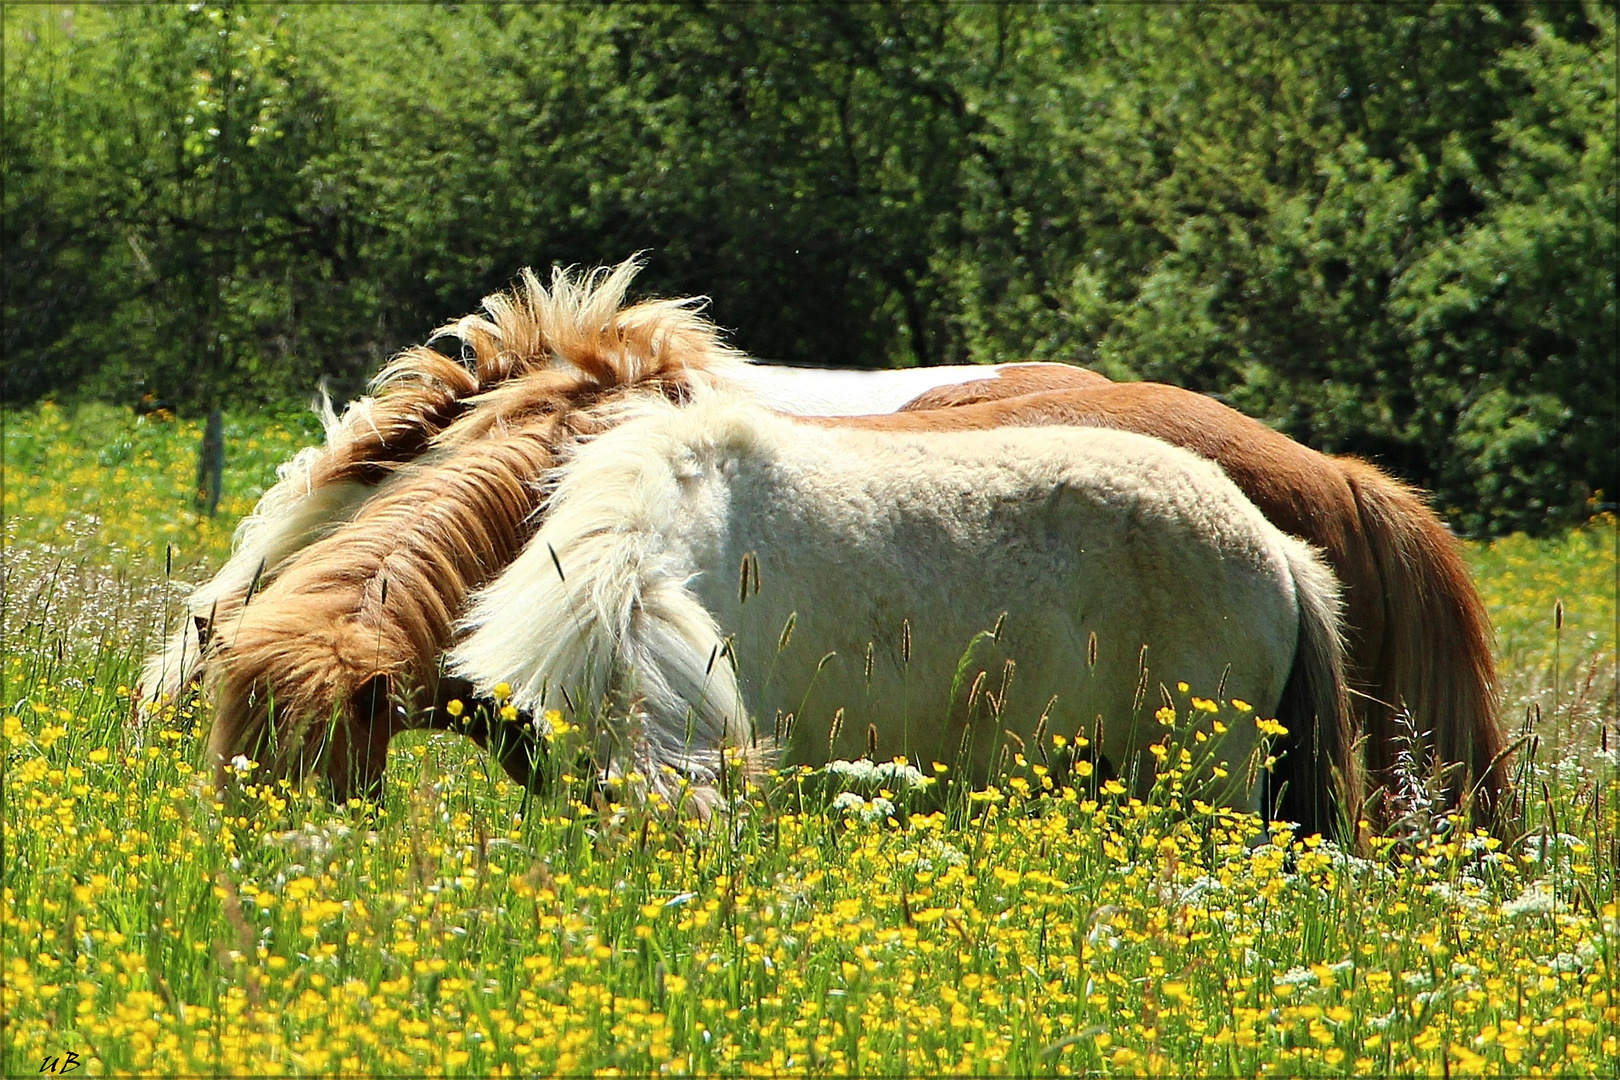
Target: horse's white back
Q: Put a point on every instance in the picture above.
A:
(812, 391)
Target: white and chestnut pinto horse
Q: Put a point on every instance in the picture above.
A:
(1418, 639)
(813, 391)
(1081, 539)
(324, 633)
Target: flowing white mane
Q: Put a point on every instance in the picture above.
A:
(596, 598)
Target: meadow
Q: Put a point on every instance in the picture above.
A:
(462, 928)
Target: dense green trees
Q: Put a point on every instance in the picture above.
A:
(1388, 230)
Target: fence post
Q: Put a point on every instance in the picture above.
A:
(211, 464)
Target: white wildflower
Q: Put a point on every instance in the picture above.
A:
(870, 775)
(1536, 899)
(936, 854)
(869, 810)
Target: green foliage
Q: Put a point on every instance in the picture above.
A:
(158, 220)
(1388, 230)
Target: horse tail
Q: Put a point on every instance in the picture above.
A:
(1434, 663)
(1316, 772)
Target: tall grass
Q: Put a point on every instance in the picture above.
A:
(1047, 925)
(1553, 604)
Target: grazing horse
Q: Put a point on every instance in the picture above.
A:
(321, 636)
(1418, 639)
(362, 499)
(428, 483)
(875, 558)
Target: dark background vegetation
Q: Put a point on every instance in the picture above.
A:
(1386, 229)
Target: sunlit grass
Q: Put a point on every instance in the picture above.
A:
(95, 478)
(464, 930)
(1563, 675)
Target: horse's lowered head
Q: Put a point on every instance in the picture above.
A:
(324, 630)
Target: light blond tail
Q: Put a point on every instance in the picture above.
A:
(1317, 773)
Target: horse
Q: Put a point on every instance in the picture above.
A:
(1420, 645)
(389, 451)
(876, 556)
(415, 442)
(1419, 641)
(319, 639)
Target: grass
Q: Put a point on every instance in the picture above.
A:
(466, 931)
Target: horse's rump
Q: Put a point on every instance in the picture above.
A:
(1299, 490)
(1008, 380)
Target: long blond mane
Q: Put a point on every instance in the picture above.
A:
(547, 365)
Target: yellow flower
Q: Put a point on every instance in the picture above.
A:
(502, 691)
(455, 708)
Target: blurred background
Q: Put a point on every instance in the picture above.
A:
(1385, 230)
